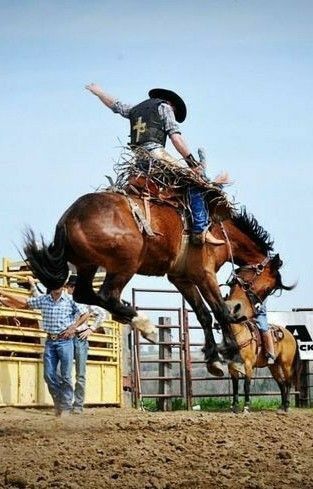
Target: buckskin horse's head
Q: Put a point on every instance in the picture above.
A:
(251, 284)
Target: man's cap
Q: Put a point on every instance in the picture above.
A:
(71, 281)
(179, 104)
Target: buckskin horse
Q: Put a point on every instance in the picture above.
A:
(250, 285)
(99, 229)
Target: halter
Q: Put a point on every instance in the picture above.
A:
(247, 286)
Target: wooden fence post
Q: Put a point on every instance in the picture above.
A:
(165, 353)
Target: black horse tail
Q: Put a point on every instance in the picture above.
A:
(297, 369)
(48, 263)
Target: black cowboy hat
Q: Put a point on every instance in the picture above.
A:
(179, 104)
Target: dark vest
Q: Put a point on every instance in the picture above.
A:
(146, 125)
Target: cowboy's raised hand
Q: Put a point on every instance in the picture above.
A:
(94, 88)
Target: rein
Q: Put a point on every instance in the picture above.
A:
(231, 256)
(247, 286)
(248, 325)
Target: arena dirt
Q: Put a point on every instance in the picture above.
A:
(117, 448)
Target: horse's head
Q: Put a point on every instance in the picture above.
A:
(251, 284)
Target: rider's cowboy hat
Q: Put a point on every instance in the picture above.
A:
(179, 104)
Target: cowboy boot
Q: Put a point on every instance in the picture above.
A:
(199, 239)
(268, 345)
(209, 238)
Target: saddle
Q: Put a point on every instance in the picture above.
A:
(255, 335)
(143, 186)
(157, 181)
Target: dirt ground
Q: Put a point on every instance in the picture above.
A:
(125, 448)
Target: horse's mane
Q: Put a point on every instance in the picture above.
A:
(248, 224)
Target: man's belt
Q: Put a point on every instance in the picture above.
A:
(53, 336)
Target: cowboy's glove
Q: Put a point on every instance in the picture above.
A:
(191, 162)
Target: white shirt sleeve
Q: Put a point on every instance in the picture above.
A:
(99, 314)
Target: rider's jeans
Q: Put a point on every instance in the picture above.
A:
(80, 356)
(261, 318)
(59, 352)
(199, 211)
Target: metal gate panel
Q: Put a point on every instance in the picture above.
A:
(195, 380)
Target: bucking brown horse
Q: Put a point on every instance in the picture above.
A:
(99, 229)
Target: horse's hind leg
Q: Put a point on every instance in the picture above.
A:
(109, 297)
(284, 386)
(83, 291)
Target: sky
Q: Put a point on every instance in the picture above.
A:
(243, 67)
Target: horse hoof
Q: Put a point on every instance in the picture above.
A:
(147, 329)
(246, 410)
(282, 411)
(234, 409)
(216, 369)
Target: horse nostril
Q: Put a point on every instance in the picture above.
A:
(237, 308)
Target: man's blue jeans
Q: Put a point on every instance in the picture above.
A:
(261, 318)
(59, 384)
(199, 211)
(80, 356)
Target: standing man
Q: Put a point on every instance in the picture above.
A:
(61, 317)
(81, 347)
(151, 121)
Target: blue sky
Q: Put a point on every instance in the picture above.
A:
(244, 68)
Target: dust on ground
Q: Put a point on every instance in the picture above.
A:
(129, 449)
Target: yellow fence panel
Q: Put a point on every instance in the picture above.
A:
(22, 345)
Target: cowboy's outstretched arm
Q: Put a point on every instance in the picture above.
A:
(11, 300)
(180, 144)
(105, 98)
(182, 148)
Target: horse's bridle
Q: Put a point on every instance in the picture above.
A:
(247, 286)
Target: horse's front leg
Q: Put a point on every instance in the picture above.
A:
(246, 387)
(235, 384)
(210, 291)
(193, 297)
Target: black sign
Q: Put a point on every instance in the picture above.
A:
(300, 332)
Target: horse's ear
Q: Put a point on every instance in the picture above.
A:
(276, 262)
